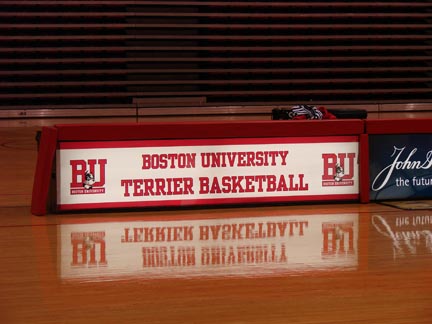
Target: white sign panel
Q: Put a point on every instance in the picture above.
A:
(188, 172)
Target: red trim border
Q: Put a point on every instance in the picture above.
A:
(364, 168)
(199, 202)
(205, 142)
(398, 126)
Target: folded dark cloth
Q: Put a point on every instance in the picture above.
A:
(300, 112)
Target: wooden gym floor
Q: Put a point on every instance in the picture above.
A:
(331, 263)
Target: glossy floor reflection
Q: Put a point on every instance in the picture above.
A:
(345, 263)
(221, 247)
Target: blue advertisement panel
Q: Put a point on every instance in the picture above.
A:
(400, 166)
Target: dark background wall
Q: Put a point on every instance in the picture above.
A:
(105, 54)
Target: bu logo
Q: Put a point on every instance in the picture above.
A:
(338, 239)
(88, 249)
(338, 169)
(88, 176)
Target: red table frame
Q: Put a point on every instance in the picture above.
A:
(52, 136)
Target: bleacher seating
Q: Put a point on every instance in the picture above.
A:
(115, 54)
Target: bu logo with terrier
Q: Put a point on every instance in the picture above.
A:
(88, 177)
(338, 169)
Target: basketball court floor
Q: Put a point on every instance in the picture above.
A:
(293, 263)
